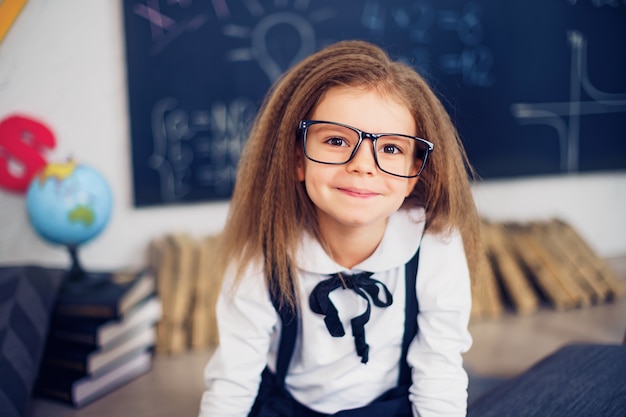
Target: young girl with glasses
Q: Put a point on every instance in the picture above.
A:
(345, 262)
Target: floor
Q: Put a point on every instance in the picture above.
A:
(509, 344)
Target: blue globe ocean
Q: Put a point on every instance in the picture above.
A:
(69, 204)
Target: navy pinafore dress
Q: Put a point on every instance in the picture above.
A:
(273, 400)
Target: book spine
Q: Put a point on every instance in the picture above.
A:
(87, 311)
(54, 394)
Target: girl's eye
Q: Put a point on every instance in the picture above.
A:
(391, 149)
(336, 141)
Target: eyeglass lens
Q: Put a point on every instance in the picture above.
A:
(335, 144)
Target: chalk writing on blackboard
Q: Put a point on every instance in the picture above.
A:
(423, 22)
(163, 29)
(600, 3)
(564, 117)
(204, 145)
(475, 62)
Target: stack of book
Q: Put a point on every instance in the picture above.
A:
(100, 338)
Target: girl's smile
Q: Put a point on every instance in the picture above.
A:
(355, 192)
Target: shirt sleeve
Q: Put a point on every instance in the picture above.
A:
(246, 322)
(439, 386)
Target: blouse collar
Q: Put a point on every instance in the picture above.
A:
(399, 243)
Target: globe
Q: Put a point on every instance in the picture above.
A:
(68, 204)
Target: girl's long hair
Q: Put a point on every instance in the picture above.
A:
(270, 208)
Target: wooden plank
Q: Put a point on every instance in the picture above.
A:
(580, 272)
(160, 258)
(512, 277)
(204, 321)
(603, 272)
(486, 298)
(577, 296)
(186, 258)
(543, 276)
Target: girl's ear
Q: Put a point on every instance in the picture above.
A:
(299, 165)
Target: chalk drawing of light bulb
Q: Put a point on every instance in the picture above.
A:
(262, 36)
(277, 40)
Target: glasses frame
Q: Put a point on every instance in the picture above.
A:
(306, 123)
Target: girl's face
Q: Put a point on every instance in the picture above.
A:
(357, 194)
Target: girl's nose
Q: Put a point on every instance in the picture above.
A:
(364, 160)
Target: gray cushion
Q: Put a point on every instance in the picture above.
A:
(27, 295)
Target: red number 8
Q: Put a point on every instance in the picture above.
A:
(22, 142)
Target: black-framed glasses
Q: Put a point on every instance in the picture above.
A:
(336, 144)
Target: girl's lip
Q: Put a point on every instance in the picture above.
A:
(355, 192)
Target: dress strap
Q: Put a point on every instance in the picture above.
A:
(410, 316)
(288, 334)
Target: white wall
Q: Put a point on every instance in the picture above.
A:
(62, 62)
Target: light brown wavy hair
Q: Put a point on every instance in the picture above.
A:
(270, 208)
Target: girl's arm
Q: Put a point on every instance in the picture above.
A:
(246, 320)
(440, 382)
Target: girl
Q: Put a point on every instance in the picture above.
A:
(346, 284)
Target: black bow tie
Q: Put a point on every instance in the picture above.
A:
(366, 287)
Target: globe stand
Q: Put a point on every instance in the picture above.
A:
(77, 273)
(77, 280)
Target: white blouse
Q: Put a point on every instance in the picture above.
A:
(325, 372)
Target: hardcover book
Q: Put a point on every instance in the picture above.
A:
(99, 333)
(88, 361)
(81, 390)
(111, 298)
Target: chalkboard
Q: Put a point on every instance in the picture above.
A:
(535, 87)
